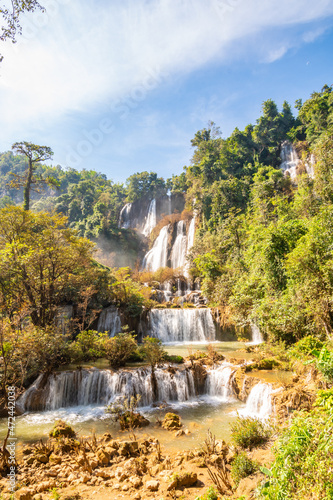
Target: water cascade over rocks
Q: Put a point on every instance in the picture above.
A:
(289, 159)
(181, 325)
(158, 255)
(218, 382)
(151, 218)
(178, 253)
(109, 321)
(257, 337)
(259, 401)
(124, 217)
(89, 387)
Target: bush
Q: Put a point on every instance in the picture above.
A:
(123, 410)
(249, 432)
(305, 346)
(88, 345)
(173, 358)
(324, 362)
(153, 351)
(303, 467)
(325, 400)
(241, 467)
(119, 349)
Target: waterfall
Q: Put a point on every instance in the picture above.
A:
(218, 382)
(178, 253)
(259, 401)
(289, 159)
(88, 387)
(124, 217)
(157, 256)
(151, 218)
(181, 325)
(100, 387)
(257, 337)
(109, 321)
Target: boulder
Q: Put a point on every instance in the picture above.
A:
(62, 429)
(152, 485)
(182, 479)
(171, 422)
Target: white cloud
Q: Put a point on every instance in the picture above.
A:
(87, 53)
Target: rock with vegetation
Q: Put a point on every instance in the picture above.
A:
(171, 422)
(62, 429)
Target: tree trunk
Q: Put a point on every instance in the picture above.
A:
(27, 187)
(154, 384)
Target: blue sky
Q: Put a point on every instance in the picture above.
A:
(122, 86)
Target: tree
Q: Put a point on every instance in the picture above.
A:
(120, 348)
(43, 264)
(153, 351)
(11, 17)
(34, 154)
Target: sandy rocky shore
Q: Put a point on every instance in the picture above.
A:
(69, 467)
(108, 468)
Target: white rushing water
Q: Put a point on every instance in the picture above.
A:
(259, 402)
(257, 337)
(157, 256)
(124, 217)
(109, 321)
(289, 159)
(181, 325)
(178, 253)
(151, 218)
(218, 382)
(88, 387)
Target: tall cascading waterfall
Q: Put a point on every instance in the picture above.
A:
(151, 219)
(178, 253)
(124, 217)
(158, 255)
(99, 387)
(181, 325)
(259, 401)
(289, 159)
(109, 321)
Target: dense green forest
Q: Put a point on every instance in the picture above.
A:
(271, 235)
(262, 254)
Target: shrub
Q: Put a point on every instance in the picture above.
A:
(119, 349)
(325, 400)
(88, 345)
(241, 467)
(303, 467)
(173, 358)
(249, 432)
(153, 351)
(305, 346)
(324, 362)
(123, 410)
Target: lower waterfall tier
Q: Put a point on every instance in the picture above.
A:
(84, 387)
(181, 325)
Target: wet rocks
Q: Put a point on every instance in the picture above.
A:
(171, 422)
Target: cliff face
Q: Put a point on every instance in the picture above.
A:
(136, 215)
